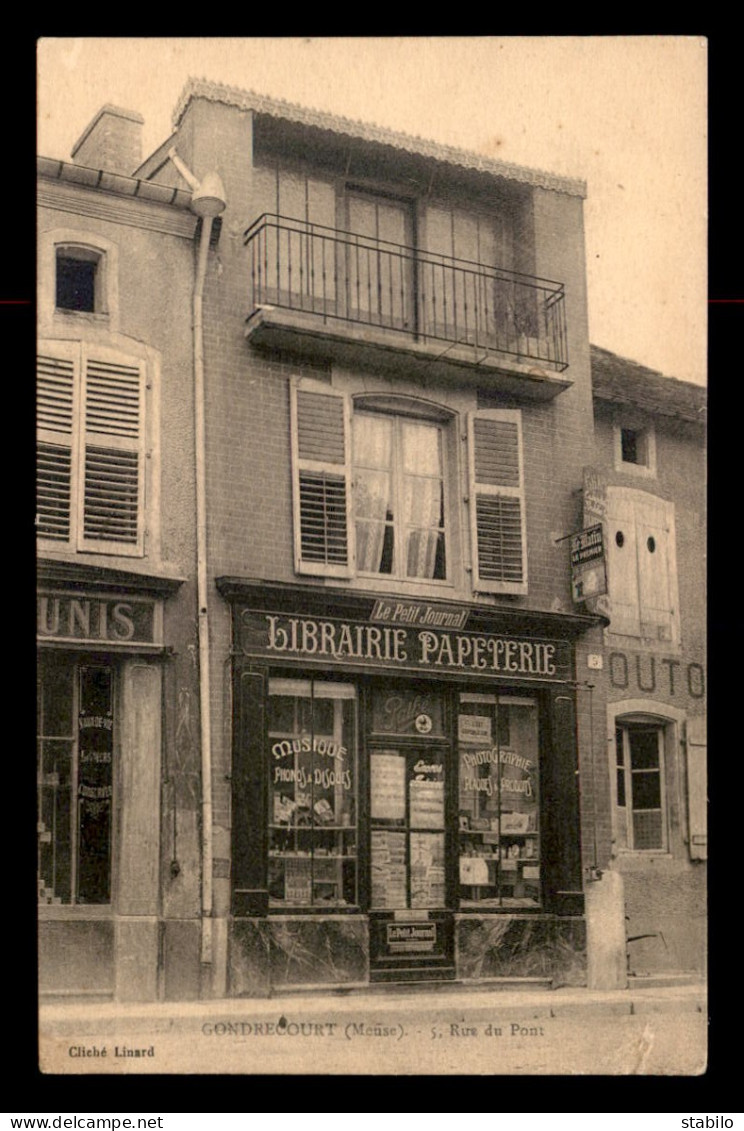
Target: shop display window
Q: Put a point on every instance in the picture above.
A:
(74, 781)
(499, 831)
(312, 793)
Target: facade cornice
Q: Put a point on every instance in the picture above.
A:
(380, 135)
(103, 205)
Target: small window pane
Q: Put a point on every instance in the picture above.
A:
(421, 450)
(629, 443)
(646, 789)
(644, 749)
(76, 284)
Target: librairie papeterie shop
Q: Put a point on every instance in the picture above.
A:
(404, 790)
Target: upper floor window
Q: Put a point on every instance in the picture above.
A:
(90, 452)
(642, 572)
(375, 489)
(399, 496)
(78, 282)
(635, 448)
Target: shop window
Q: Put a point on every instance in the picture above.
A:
(635, 448)
(639, 787)
(76, 731)
(90, 454)
(642, 574)
(499, 804)
(78, 279)
(312, 794)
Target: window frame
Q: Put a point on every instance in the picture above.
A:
(66, 241)
(625, 728)
(79, 253)
(671, 722)
(644, 430)
(398, 476)
(53, 907)
(81, 355)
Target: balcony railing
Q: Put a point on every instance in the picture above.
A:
(338, 275)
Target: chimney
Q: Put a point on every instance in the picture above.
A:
(112, 141)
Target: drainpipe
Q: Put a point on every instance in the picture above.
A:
(207, 201)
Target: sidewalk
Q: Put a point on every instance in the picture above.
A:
(477, 1002)
(441, 1031)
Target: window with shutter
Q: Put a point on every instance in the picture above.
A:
(497, 501)
(641, 565)
(322, 481)
(90, 468)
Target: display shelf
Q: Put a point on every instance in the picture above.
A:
(280, 855)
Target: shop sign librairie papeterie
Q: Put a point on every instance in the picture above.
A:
(95, 619)
(329, 641)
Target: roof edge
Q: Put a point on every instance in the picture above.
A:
(367, 131)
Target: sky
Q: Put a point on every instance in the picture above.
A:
(626, 114)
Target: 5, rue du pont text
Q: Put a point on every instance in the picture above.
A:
(460, 1029)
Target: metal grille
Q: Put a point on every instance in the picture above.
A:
(329, 274)
(647, 829)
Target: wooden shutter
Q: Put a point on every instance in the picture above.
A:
(654, 534)
(57, 374)
(322, 481)
(641, 565)
(497, 501)
(111, 483)
(622, 563)
(697, 798)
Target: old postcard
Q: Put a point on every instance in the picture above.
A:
(371, 526)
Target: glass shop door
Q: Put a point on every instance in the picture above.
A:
(411, 924)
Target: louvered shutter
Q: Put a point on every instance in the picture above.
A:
(111, 482)
(497, 502)
(57, 375)
(697, 799)
(322, 481)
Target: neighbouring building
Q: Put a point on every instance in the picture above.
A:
(320, 703)
(117, 721)
(648, 487)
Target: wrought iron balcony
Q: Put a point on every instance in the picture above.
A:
(416, 296)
